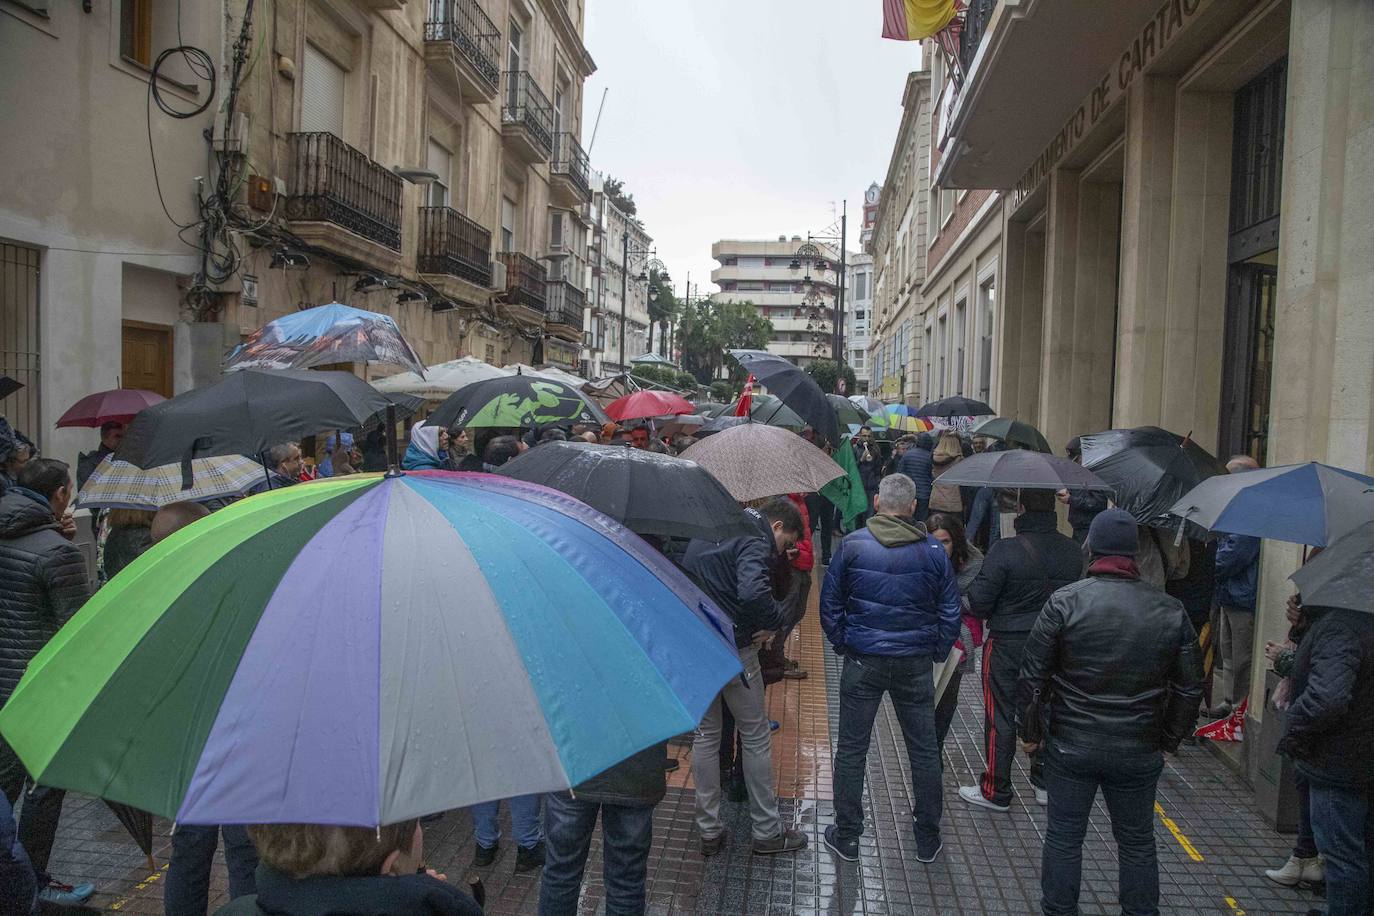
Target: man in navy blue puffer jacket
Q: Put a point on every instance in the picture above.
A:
(890, 606)
(919, 465)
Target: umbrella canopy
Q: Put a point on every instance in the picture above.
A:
(648, 493)
(246, 413)
(795, 388)
(765, 408)
(118, 405)
(552, 373)
(1342, 575)
(682, 425)
(1022, 469)
(643, 404)
(708, 409)
(1014, 433)
(652, 359)
(897, 410)
(754, 460)
(869, 405)
(517, 401)
(9, 386)
(1150, 470)
(955, 407)
(846, 411)
(901, 423)
(440, 380)
(121, 485)
(1309, 503)
(322, 336)
(363, 650)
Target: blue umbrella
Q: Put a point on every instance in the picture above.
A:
(325, 335)
(1309, 503)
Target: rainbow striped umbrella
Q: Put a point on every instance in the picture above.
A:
(363, 650)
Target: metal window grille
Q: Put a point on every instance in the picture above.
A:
(19, 336)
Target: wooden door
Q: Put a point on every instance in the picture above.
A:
(147, 358)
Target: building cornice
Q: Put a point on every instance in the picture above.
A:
(917, 86)
(568, 36)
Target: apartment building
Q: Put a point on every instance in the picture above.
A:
(624, 296)
(898, 247)
(799, 300)
(417, 159)
(858, 314)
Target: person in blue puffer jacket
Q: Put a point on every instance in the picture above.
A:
(890, 606)
(918, 464)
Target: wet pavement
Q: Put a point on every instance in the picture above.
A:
(1213, 846)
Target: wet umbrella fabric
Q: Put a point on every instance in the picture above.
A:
(440, 380)
(846, 411)
(517, 401)
(1342, 575)
(1311, 503)
(766, 408)
(362, 650)
(121, 485)
(648, 493)
(955, 407)
(246, 413)
(1024, 470)
(118, 405)
(1150, 470)
(644, 404)
(1014, 433)
(325, 335)
(754, 460)
(795, 388)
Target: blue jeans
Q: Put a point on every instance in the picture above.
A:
(626, 835)
(1073, 774)
(1343, 822)
(524, 821)
(910, 683)
(187, 892)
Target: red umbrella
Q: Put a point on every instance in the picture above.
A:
(644, 404)
(117, 404)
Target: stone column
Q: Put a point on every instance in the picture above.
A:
(1095, 306)
(1022, 307)
(1057, 330)
(1145, 251)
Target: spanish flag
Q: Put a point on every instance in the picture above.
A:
(912, 20)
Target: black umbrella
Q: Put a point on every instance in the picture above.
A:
(648, 493)
(955, 407)
(1342, 575)
(846, 411)
(1150, 469)
(1014, 433)
(246, 413)
(1022, 469)
(517, 401)
(139, 825)
(9, 386)
(794, 388)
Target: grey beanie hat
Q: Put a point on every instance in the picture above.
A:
(1113, 534)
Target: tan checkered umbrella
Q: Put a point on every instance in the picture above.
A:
(754, 460)
(121, 485)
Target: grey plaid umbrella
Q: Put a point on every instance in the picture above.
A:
(121, 485)
(754, 460)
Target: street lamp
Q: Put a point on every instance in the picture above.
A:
(809, 255)
(647, 259)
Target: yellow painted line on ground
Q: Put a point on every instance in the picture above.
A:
(1183, 841)
(1235, 907)
(153, 878)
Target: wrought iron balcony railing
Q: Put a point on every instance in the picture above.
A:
(452, 244)
(333, 182)
(570, 159)
(565, 304)
(526, 280)
(976, 17)
(474, 36)
(527, 106)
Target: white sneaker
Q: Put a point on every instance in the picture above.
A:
(1314, 871)
(1042, 798)
(974, 796)
(1292, 871)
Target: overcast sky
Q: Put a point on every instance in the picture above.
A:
(742, 118)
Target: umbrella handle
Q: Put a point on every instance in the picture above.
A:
(393, 464)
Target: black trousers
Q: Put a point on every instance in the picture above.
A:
(1001, 668)
(39, 818)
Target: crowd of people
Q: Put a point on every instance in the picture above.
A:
(1088, 648)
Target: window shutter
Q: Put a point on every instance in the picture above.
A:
(441, 163)
(322, 94)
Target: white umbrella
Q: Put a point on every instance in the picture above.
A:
(551, 373)
(440, 380)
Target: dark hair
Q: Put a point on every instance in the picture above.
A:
(944, 521)
(44, 476)
(1038, 500)
(781, 509)
(109, 425)
(311, 850)
(553, 434)
(172, 517)
(500, 450)
(865, 427)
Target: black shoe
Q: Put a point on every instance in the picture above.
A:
(528, 858)
(927, 851)
(670, 765)
(845, 849)
(711, 846)
(485, 855)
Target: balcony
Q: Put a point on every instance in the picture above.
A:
(564, 311)
(526, 281)
(976, 17)
(463, 47)
(342, 200)
(456, 252)
(569, 172)
(527, 118)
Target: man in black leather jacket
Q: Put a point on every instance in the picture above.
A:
(1112, 665)
(1018, 576)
